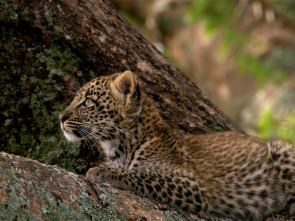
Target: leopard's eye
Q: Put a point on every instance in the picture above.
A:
(88, 102)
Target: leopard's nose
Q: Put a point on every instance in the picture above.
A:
(63, 117)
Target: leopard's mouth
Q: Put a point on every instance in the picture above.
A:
(75, 134)
(72, 136)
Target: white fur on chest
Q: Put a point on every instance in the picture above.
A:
(109, 147)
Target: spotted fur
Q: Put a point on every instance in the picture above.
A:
(228, 173)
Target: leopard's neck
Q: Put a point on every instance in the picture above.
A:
(137, 134)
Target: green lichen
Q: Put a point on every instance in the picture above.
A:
(57, 210)
(34, 90)
(8, 11)
(170, 216)
(34, 93)
(173, 217)
(144, 202)
(72, 199)
(15, 207)
(48, 15)
(95, 211)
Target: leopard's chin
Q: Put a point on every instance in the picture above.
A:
(71, 136)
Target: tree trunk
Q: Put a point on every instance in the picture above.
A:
(30, 190)
(104, 44)
(109, 44)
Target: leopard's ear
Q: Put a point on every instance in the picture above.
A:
(125, 89)
(123, 85)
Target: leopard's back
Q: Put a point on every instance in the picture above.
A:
(227, 173)
(247, 175)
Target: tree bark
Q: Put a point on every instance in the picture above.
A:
(106, 44)
(30, 190)
(109, 44)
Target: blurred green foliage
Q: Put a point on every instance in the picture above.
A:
(270, 127)
(221, 17)
(286, 7)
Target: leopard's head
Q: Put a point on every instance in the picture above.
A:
(99, 107)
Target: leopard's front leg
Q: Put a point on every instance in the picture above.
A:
(166, 189)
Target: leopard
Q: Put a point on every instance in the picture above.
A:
(227, 173)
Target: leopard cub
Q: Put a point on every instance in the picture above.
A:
(227, 173)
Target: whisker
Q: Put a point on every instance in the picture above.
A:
(111, 124)
(86, 140)
(95, 142)
(99, 132)
(103, 133)
(89, 134)
(68, 87)
(75, 80)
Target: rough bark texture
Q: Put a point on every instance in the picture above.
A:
(106, 44)
(109, 44)
(30, 190)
